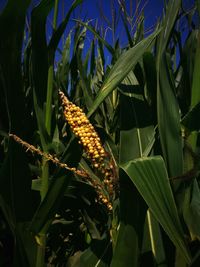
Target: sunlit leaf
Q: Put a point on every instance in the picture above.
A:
(167, 105)
(121, 68)
(150, 177)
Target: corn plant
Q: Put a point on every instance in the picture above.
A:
(99, 162)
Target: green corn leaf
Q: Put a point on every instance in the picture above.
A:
(84, 166)
(62, 74)
(121, 68)
(137, 131)
(169, 123)
(26, 244)
(55, 39)
(44, 137)
(97, 255)
(85, 84)
(155, 239)
(16, 193)
(90, 28)
(57, 188)
(172, 10)
(128, 33)
(51, 54)
(150, 177)
(132, 206)
(15, 184)
(167, 106)
(50, 204)
(139, 34)
(132, 216)
(191, 119)
(101, 52)
(191, 209)
(39, 49)
(185, 74)
(92, 58)
(12, 101)
(195, 94)
(150, 79)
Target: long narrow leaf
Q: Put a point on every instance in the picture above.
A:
(150, 177)
(167, 106)
(39, 49)
(120, 70)
(61, 28)
(57, 188)
(90, 28)
(169, 123)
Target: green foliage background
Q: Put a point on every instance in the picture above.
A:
(145, 107)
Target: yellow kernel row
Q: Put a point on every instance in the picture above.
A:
(84, 130)
(90, 141)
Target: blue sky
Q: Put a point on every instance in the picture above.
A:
(92, 9)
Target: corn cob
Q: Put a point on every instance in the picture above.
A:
(93, 147)
(90, 141)
(84, 130)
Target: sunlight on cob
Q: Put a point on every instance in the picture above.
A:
(84, 130)
(90, 141)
